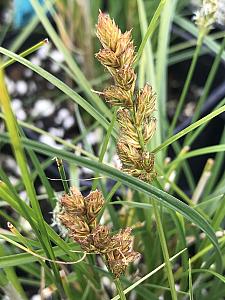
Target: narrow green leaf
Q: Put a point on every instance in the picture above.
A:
(190, 282)
(177, 136)
(209, 272)
(134, 183)
(198, 152)
(151, 28)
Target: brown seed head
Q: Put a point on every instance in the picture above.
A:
(77, 226)
(107, 32)
(148, 160)
(147, 176)
(118, 265)
(125, 78)
(128, 132)
(108, 58)
(149, 129)
(127, 58)
(80, 227)
(101, 238)
(117, 96)
(94, 203)
(122, 254)
(145, 104)
(123, 239)
(73, 203)
(128, 155)
(123, 43)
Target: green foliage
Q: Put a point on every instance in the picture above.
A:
(190, 231)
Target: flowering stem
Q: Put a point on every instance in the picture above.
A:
(164, 250)
(119, 289)
(188, 81)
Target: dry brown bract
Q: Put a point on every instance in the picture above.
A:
(79, 217)
(137, 125)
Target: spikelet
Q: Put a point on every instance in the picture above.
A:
(137, 125)
(210, 12)
(145, 104)
(122, 254)
(78, 214)
(74, 202)
(116, 95)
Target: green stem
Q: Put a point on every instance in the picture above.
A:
(62, 174)
(218, 165)
(195, 134)
(187, 82)
(207, 87)
(162, 62)
(25, 53)
(216, 221)
(119, 289)
(219, 215)
(165, 251)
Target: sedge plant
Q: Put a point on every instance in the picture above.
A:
(131, 229)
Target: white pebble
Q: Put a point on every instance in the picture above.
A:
(21, 115)
(54, 68)
(43, 51)
(32, 87)
(42, 108)
(68, 122)
(35, 60)
(28, 73)
(62, 115)
(49, 141)
(56, 55)
(16, 104)
(56, 131)
(36, 297)
(21, 87)
(95, 136)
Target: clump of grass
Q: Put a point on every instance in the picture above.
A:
(154, 206)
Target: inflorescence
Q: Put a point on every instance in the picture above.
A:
(79, 216)
(210, 12)
(137, 125)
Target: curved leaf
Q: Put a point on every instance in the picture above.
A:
(209, 272)
(197, 152)
(164, 198)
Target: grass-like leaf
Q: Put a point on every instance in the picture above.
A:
(136, 184)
